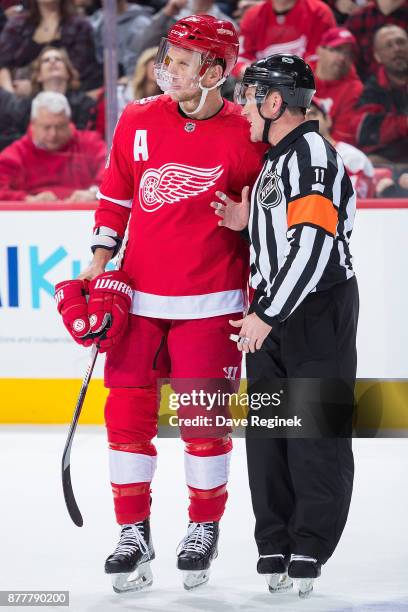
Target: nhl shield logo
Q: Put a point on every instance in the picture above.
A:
(269, 194)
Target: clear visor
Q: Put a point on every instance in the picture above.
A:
(244, 93)
(176, 68)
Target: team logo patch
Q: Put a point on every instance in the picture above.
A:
(173, 183)
(78, 325)
(190, 127)
(269, 193)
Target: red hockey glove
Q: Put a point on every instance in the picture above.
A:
(110, 297)
(70, 296)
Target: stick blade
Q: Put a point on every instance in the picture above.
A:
(70, 501)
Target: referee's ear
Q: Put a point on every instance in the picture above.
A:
(272, 104)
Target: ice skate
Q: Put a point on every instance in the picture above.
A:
(195, 553)
(129, 564)
(275, 570)
(304, 570)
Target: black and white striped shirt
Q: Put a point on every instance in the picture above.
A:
(302, 212)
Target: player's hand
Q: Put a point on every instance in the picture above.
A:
(110, 297)
(81, 195)
(234, 215)
(252, 333)
(70, 297)
(43, 196)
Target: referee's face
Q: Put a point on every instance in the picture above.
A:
(250, 112)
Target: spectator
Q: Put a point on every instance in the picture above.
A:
(394, 184)
(86, 7)
(48, 22)
(175, 10)
(337, 83)
(342, 9)
(53, 160)
(282, 26)
(143, 85)
(242, 7)
(358, 166)
(132, 21)
(51, 71)
(383, 106)
(366, 21)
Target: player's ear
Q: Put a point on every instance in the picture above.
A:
(213, 75)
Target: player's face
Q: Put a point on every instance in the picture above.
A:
(177, 72)
(51, 130)
(250, 112)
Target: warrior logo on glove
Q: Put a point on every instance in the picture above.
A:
(103, 318)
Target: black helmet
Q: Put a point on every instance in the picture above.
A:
(288, 74)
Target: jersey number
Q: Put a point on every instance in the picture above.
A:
(319, 175)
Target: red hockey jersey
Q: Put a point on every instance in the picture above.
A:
(264, 32)
(26, 169)
(340, 98)
(165, 168)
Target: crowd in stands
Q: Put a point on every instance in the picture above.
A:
(52, 109)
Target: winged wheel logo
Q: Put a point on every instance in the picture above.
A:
(173, 183)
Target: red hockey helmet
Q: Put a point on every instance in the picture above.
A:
(204, 33)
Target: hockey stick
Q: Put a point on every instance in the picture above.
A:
(69, 496)
(70, 501)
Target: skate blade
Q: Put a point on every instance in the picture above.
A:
(305, 587)
(278, 583)
(193, 580)
(140, 579)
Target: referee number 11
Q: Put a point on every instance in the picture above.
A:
(319, 175)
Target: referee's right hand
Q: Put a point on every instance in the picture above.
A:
(234, 215)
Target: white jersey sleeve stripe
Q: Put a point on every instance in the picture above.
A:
(125, 203)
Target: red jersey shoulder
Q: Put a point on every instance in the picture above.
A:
(146, 107)
(233, 116)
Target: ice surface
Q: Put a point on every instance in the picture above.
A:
(40, 548)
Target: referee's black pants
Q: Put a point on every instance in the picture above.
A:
(301, 487)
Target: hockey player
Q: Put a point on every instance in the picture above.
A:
(301, 324)
(182, 278)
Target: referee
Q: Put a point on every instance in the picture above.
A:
(302, 321)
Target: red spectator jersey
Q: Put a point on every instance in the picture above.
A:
(359, 169)
(340, 97)
(264, 32)
(165, 168)
(26, 169)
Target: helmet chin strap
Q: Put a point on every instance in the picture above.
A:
(268, 121)
(204, 94)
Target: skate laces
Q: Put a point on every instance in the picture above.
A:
(198, 538)
(302, 558)
(132, 535)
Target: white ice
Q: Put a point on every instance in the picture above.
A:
(40, 548)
